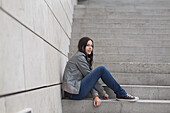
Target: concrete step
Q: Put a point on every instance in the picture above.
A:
(143, 58)
(123, 30)
(79, 10)
(97, 13)
(113, 106)
(125, 6)
(128, 43)
(125, 16)
(131, 58)
(127, 50)
(123, 20)
(120, 25)
(100, 36)
(142, 91)
(118, 7)
(142, 79)
(136, 67)
(129, 3)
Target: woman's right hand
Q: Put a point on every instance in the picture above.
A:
(97, 101)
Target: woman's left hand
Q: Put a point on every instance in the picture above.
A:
(105, 96)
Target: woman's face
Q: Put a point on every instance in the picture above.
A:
(89, 47)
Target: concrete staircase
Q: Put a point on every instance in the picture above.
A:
(132, 39)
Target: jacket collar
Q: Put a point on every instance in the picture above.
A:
(80, 53)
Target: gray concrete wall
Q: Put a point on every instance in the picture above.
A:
(34, 45)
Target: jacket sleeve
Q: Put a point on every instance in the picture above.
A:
(83, 65)
(94, 93)
(99, 88)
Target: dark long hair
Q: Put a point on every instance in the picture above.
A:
(81, 47)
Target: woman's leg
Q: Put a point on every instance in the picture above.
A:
(90, 80)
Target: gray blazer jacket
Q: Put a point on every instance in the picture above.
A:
(76, 69)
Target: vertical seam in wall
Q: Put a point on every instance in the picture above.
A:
(22, 36)
(5, 104)
(56, 19)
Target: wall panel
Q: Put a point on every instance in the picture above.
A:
(0, 3)
(34, 60)
(15, 103)
(66, 8)
(2, 105)
(56, 35)
(45, 100)
(11, 55)
(55, 64)
(22, 10)
(58, 11)
(40, 18)
(71, 4)
(37, 16)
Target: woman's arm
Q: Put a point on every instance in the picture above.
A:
(83, 65)
(101, 90)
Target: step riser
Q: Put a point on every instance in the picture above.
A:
(111, 106)
(128, 50)
(101, 36)
(128, 58)
(113, 11)
(128, 43)
(123, 16)
(127, 7)
(134, 3)
(131, 58)
(121, 25)
(136, 67)
(120, 14)
(149, 21)
(141, 79)
(123, 30)
(103, 13)
(149, 93)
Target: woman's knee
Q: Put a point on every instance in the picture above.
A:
(102, 67)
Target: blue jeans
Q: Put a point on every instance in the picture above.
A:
(89, 81)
